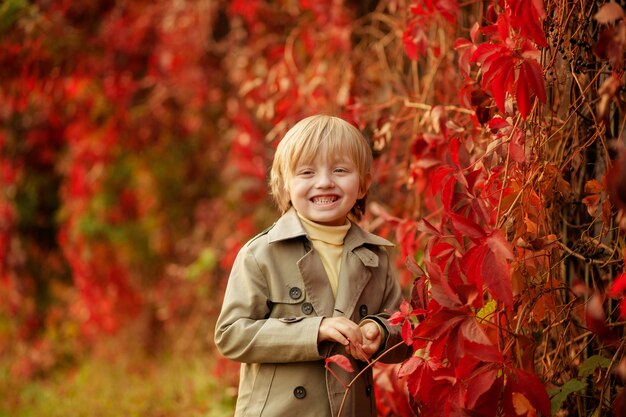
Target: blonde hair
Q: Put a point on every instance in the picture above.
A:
(319, 135)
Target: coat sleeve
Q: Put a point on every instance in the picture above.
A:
(244, 331)
(391, 302)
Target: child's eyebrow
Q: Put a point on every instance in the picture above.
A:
(343, 161)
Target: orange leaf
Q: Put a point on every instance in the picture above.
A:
(522, 406)
(593, 187)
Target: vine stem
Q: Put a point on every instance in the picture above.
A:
(428, 107)
(369, 365)
(506, 170)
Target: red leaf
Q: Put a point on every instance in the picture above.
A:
(485, 353)
(439, 323)
(516, 146)
(528, 15)
(414, 267)
(421, 383)
(485, 50)
(440, 176)
(466, 226)
(407, 333)
(502, 82)
(447, 193)
(472, 332)
(342, 361)
(480, 386)
(498, 123)
(485, 406)
(409, 366)
(415, 40)
(425, 226)
(495, 66)
(497, 277)
(534, 77)
(441, 290)
(531, 387)
(473, 264)
(499, 246)
(440, 252)
(618, 287)
(522, 95)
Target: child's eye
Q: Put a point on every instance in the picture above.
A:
(341, 170)
(305, 172)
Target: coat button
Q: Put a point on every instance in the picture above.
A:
(295, 293)
(368, 391)
(363, 310)
(307, 308)
(299, 392)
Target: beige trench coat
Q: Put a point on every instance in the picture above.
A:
(277, 294)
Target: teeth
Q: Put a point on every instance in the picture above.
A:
(324, 200)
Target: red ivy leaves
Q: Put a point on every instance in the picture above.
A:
(527, 16)
(423, 12)
(509, 58)
(530, 78)
(510, 71)
(414, 39)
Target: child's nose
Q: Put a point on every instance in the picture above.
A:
(325, 180)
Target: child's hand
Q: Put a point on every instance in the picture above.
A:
(372, 338)
(341, 330)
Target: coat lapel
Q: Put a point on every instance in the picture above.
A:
(353, 277)
(355, 269)
(310, 265)
(316, 283)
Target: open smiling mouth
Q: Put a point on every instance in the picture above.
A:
(324, 200)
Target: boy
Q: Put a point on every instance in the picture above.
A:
(313, 285)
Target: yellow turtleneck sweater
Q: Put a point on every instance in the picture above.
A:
(328, 242)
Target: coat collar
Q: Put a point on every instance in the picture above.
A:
(355, 272)
(289, 227)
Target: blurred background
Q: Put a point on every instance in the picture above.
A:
(135, 142)
(135, 139)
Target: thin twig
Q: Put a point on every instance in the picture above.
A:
(369, 365)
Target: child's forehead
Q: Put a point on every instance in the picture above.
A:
(324, 157)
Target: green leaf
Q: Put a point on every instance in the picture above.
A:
(591, 363)
(9, 13)
(573, 385)
(485, 313)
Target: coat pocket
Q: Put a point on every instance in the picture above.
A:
(257, 391)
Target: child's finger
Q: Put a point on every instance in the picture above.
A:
(356, 351)
(370, 331)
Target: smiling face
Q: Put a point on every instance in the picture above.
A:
(326, 189)
(322, 168)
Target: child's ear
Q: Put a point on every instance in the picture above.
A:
(366, 186)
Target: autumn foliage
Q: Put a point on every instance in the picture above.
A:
(135, 141)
